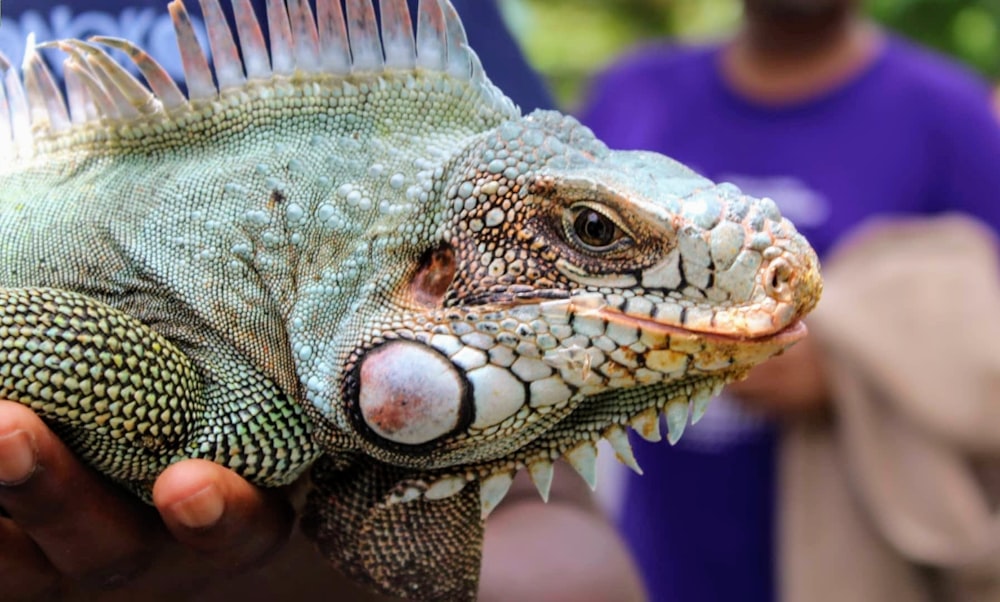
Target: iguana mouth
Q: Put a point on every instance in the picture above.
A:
(789, 334)
(729, 328)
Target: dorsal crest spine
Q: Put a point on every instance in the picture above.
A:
(335, 42)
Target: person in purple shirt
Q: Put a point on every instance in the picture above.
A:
(838, 121)
(68, 533)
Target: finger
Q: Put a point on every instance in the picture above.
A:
(212, 509)
(88, 529)
(25, 572)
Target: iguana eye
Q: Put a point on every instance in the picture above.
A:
(592, 229)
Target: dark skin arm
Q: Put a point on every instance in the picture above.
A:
(794, 384)
(71, 533)
(69, 530)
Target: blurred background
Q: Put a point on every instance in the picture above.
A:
(551, 31)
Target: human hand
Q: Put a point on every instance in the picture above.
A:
(72, 534)
(66, 530)
(789, 385)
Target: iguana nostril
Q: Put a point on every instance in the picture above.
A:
(409, 393)
(779, 279)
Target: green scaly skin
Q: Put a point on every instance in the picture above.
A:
(392, 277)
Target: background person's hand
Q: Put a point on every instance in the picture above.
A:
(64, 529)
(565, 549)
(791, 384)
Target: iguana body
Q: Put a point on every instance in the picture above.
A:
(361, 253)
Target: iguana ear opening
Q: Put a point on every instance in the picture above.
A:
(434, 276)
(419, 549)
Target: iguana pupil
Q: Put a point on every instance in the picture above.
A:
(594, 229)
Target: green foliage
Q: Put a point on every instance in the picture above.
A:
(568, 40)
(966, 29)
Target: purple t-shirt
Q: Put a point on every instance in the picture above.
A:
(910, 134)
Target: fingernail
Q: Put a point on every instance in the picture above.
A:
(17, 457)
(200, 510)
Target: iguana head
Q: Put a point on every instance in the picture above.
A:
(569, 292)
(562, 293)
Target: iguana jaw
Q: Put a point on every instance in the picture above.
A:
(681, 370)
(784, 337)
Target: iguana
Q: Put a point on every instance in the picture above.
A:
(352, 254)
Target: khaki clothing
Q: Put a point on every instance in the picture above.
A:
(893, 497)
